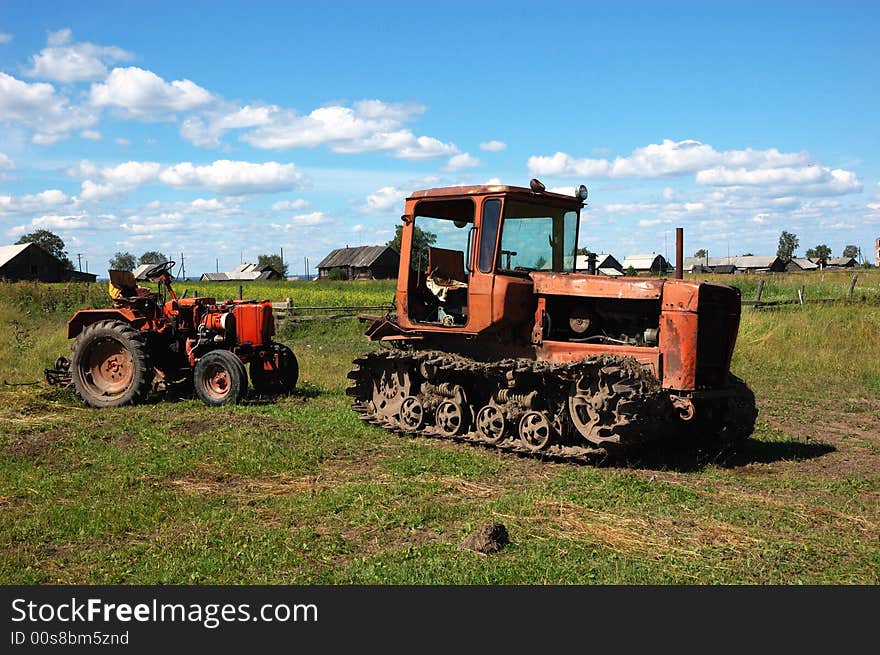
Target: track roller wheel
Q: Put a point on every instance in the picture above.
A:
(535, 431)
(412, 414)
(449, 418)
(491, 425)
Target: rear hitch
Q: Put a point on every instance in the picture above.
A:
(59, 376)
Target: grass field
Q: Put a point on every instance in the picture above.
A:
(299, 491)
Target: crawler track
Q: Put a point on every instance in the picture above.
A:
(574, 411)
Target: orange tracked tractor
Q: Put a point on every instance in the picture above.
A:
(497, 339)
(148, 340)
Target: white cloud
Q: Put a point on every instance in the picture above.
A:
(366, 126)
(290, 205)
(63, 61)
(143, 94)
(113, 180)
(148, 225)
(6, 163)
(62, 221)
(91, 135)
(5, 37)
(314, 218)
(39, 202)
(121, 141)
(496, 181)
(813, 180)
(664, 159)
(384, 199)
(462, 161)
(38, 107)
(493, 146)
(237, 177)
(207, 132)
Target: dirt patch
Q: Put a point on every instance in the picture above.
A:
(488, 539)
(193, 427)
(206, 483)
(643, 535)
(34, 444)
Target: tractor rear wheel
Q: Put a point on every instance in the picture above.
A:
(219, 378)
(278, 376)
(110, 365)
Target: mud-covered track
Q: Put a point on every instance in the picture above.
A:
(573, 411)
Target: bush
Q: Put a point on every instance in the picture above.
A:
(337, 274)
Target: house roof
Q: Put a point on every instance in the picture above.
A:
(841, 261)
(8, 253)
(603, 260)
(609, 271)
(805, 264)
(643, 262)
(359, 257)
(215, 277)
(745, 261)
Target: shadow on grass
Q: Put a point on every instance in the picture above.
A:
(685, 458)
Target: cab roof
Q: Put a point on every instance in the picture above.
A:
(487, 189)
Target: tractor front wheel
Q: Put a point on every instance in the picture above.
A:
(277, 374)
(110, 365)
(219, 378)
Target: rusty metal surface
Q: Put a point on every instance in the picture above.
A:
(597, 286)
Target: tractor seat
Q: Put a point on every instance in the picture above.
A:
(446, 273)
(124, 290)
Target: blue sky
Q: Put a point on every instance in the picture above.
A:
(227, 130)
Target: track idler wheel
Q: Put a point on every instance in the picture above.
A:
(412, 414)
(535, 431)
(491, 424)
(449, 418)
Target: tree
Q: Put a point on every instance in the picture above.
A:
(821, 251)
(337, 274)
(702, 253)
(630, 272)
(582, 251)
(152, 257)
(421, 241)
(851, 251)
(123, 261)
(788, 245)
(274, 261)
(51, 243)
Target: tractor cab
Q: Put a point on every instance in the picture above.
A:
(467, 252)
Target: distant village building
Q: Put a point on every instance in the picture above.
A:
(244, 273)
(605, 264)
(27, 261)
(361, 263)
(800, 264)
(877, 252)
(841, 262)
(740, 264)
(653, 263)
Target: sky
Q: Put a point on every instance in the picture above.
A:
(226, 130)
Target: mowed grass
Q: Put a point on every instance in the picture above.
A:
(298, 490)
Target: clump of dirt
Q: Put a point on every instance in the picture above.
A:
(488, 539)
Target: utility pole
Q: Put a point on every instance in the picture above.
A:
(217, 263)
(282, 262)
(182, 275)
(79, 262)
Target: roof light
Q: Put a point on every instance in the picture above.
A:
(536, 186)
(582, 192)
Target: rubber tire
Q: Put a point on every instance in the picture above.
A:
(134, 341)
(237, 378)
(266, 383)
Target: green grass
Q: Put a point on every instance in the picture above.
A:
(300, 491)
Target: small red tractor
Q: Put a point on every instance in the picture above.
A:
(149, 340)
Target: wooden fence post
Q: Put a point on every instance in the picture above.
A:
(240, 292)
(801, 295)
(759, 292)
(852, 286)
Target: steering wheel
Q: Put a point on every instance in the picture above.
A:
(158, 270)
